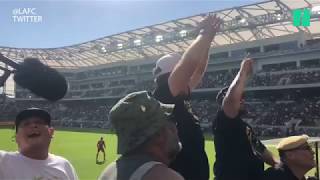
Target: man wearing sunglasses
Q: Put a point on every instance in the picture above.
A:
(297, 158)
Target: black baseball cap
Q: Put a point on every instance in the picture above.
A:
(32, 112)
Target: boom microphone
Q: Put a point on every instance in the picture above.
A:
(40, 79)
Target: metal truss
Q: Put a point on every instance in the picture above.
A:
(268, 19)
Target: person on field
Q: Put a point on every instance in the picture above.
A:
(100, 147)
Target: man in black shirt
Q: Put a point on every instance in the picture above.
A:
(239, 154)
(297, 158)
(175, 77)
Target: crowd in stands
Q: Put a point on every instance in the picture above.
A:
(278, 79)
(79, 114)
(216, 79)
(219, 79)
(276, 114)
(282, 74)
(222, 78)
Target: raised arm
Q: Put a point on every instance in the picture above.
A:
(190, 69)
(198, 74)
(268, 158)
(232, 100)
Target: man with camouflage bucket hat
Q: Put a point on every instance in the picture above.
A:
(147, 139)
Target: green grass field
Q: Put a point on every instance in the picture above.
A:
(80, 149)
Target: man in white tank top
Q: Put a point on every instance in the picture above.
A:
(147, 139)
(32, 161)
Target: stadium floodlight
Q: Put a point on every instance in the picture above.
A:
(137, 42)
(183, 33)
(315, 10)
(159, 38)
(119, 46)
(279, 15)
(241, 20)
(103, 49)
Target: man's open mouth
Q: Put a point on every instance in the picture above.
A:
(33, 135)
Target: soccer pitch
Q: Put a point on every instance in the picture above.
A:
(80, 149)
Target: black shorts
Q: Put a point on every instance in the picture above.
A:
(100, 149)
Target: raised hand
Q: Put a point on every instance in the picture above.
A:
(247, 66)
(210, 25)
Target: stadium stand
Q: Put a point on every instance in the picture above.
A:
(272, 114)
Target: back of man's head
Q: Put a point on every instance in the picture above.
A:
(166, 64)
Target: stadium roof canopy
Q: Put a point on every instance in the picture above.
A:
(252, 22)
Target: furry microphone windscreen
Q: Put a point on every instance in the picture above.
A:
(41, 79)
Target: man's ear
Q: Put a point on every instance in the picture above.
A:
(159, 138)
(51, 131)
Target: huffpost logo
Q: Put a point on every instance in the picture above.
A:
(301, 17)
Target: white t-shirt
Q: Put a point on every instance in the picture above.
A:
(15, 166)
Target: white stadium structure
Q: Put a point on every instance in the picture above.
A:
(282, 92)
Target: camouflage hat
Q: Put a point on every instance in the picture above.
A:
(137, 117)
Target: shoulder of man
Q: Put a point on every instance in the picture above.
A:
(60, 160)
(274, 173)
(57, 157)
(221, 114)
(66, 164)
(221, 119)
(160, 172)
(2, 155)
(5, 154)
(5, 158)
(109, 172)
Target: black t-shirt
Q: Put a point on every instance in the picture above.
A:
(279, 173)
(238, 151)
(191, 162)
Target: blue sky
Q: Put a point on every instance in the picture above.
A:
(71, 22)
